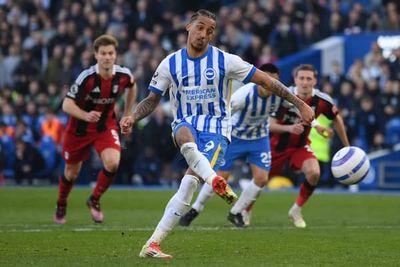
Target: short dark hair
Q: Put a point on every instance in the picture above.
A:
(269, 67)
(308, 67)
(104, 40)
(204, 13)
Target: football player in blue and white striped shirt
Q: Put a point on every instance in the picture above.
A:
(251, 106)
(198, 78)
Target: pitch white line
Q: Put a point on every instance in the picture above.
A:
(55, 228)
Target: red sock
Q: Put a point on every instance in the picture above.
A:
(306, 191)
(104, 180)
(64, 187)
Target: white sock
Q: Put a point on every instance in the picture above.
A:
(205, 194)
(295, 207)
(248, 196)
(176, 207)
(198, 162)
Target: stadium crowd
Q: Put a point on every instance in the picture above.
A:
(45, 44)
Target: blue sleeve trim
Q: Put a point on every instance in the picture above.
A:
(250, 75)
(155, 90)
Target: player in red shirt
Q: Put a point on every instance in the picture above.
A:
(290, 137)
(92, 122)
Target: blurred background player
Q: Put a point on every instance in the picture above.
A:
(90, 105)
(251, 106)
(198, 78)
(290, 136)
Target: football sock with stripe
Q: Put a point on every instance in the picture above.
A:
(306, 190)
(104, 180)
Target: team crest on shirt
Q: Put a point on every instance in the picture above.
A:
(209, 73)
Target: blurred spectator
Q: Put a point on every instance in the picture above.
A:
(368, 122)
(357, 71)
(28, 162)
(310, 33)
(379, 142)
(53, 70)
(23, 132)
(54, 97)
(336, 24)
(11, 61)
(348, 107)
(51, 126)
(374, 22)
(392, 17)
(8, 115)
(267, 56)
(389, 101)
(335, 77)
(26, 71)
(31, 118)
(142, 16)
(130, 57)
(283, 38)
(394, 64)
(373, 88)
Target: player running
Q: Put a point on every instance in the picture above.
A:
(90, 104)
(290, 136)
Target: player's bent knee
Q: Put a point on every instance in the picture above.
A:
(260, 181)
(187, 147)
(71, 175)
(313, 178)
(111, 165)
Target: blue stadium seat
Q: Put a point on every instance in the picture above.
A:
(393, 131)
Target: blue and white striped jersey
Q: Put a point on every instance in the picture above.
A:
(199, 88)
(250, 112)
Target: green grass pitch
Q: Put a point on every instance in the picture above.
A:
(343, 230)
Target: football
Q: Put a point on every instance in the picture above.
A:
(350, 165)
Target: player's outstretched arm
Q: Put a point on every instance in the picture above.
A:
(127, 120)
(146, 106)
(142, 110)
(278, 88)
(341, 130)
(130, 100)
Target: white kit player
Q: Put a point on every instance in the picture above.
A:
(251, 106)
(198, 79)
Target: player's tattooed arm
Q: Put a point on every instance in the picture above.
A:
(146, 106)
(268, 83)
(281, 90)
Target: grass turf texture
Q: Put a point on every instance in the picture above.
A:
(342, 230)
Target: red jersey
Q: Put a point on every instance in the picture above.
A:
(92, 92)
(287, 114)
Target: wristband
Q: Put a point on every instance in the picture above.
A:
(314, 123)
